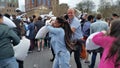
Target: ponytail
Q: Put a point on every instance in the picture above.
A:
(68, 32)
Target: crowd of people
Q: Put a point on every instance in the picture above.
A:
(67, 34)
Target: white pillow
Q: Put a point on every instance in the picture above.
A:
(90, 45)
(21, 50)
(8, 22)
(42, 32)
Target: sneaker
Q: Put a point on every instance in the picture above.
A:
(38, 50)
(52, 59)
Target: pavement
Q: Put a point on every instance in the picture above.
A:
(42, 60)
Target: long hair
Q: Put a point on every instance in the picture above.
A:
(115, 49)
(1, 16)
(68, 32)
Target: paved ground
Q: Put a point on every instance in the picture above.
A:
(42, 60)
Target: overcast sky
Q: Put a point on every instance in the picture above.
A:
(71, 3)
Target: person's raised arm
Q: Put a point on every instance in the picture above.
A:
(101, 39)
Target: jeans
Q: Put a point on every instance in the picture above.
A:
(77, 56)
(53, 52)
(93, 59)
(62, 60)
(21, 63)
(94, 55)
(8, 63)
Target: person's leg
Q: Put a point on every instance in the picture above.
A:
(38, 44)
(45, 42)
(64, 60)
(49, 42)
(42, 44)
(32, 44)
(77, 57)
(86, 59)
(87, 56)
(52, 54)
(93, 59)
(30, 49)
(20, 64)
(55, 63)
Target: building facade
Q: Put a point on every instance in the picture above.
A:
(37, 7)
(8, 6)
(32, 4)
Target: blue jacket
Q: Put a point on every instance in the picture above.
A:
(57, 39)
(31, 27)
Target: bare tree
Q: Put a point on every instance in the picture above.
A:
(86, 6)
(107, 8)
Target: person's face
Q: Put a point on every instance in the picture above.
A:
(85, 17)
(114, 17)
(92, 20)
(1, 20)
(56, 24)
(70, 14)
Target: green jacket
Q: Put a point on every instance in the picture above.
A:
(7, 38)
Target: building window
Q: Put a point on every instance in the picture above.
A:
(7, 10)
(33, 1)
(39, 2)
(44, 2)
(49, 3)
(10, 5)
(13, 5)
